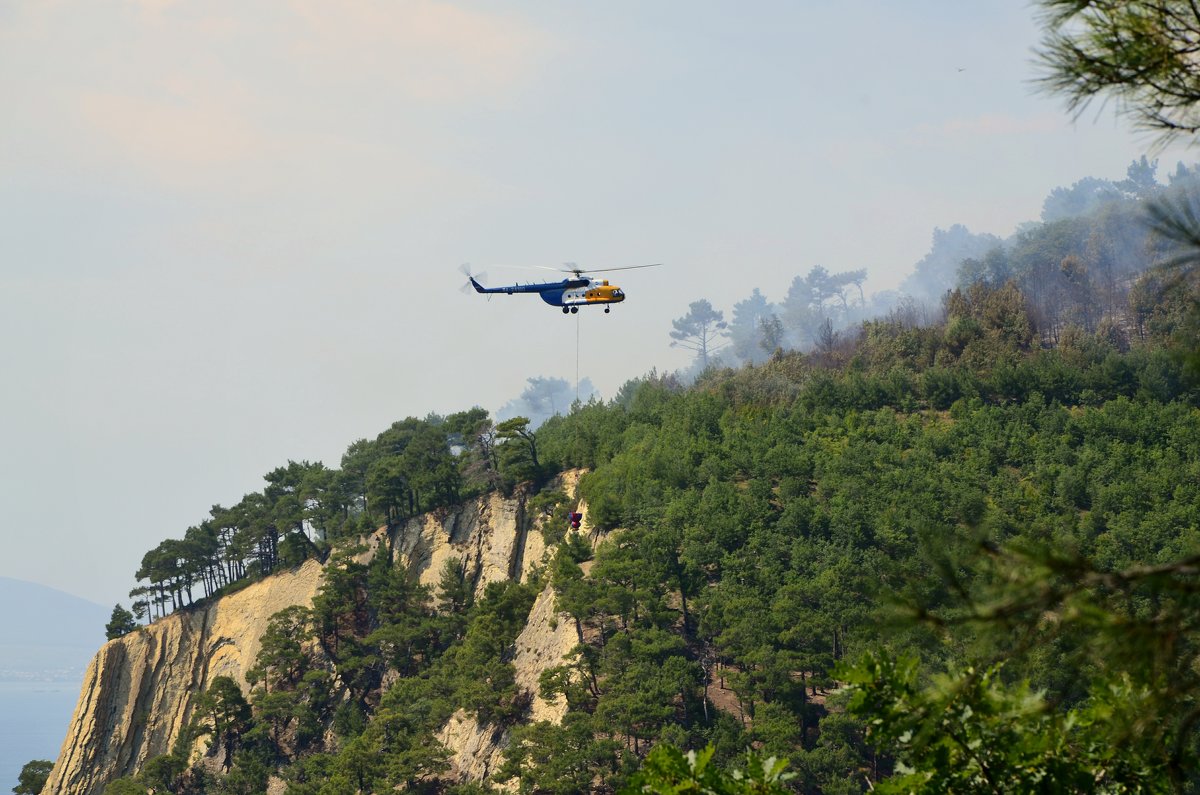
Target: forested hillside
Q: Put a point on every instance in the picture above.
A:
(1080, 278)
(949, 549)
(937, 539)
(919, 492)
(1076, 266)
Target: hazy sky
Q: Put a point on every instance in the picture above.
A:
(230, 231)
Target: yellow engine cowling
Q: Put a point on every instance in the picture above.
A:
(604, 293)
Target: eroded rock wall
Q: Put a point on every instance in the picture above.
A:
(139, 691)
(489, 536)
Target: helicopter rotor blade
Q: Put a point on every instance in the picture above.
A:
(468, 288)
(625, 268)
(578, 271)
(530, 268)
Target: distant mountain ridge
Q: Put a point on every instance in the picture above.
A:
(46, 634)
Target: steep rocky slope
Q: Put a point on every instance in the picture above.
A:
(139, 691)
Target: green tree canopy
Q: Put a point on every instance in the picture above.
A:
(33, 777)
(120, 623)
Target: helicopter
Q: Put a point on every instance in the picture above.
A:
(571, 293)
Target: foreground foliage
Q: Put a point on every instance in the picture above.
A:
(667, 771)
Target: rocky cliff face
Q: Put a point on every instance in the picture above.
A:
(139, 691)
(476, 751)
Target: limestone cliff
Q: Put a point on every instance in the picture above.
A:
(476, 751)
(139, 691)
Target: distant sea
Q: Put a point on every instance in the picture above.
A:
(33, 723)
(47, 638)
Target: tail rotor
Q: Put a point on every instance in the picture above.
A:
(468, 287)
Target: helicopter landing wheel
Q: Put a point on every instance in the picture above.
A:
(566, 309)
(606, 309)
(574, 309)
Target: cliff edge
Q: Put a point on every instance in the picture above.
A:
(139, 691)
